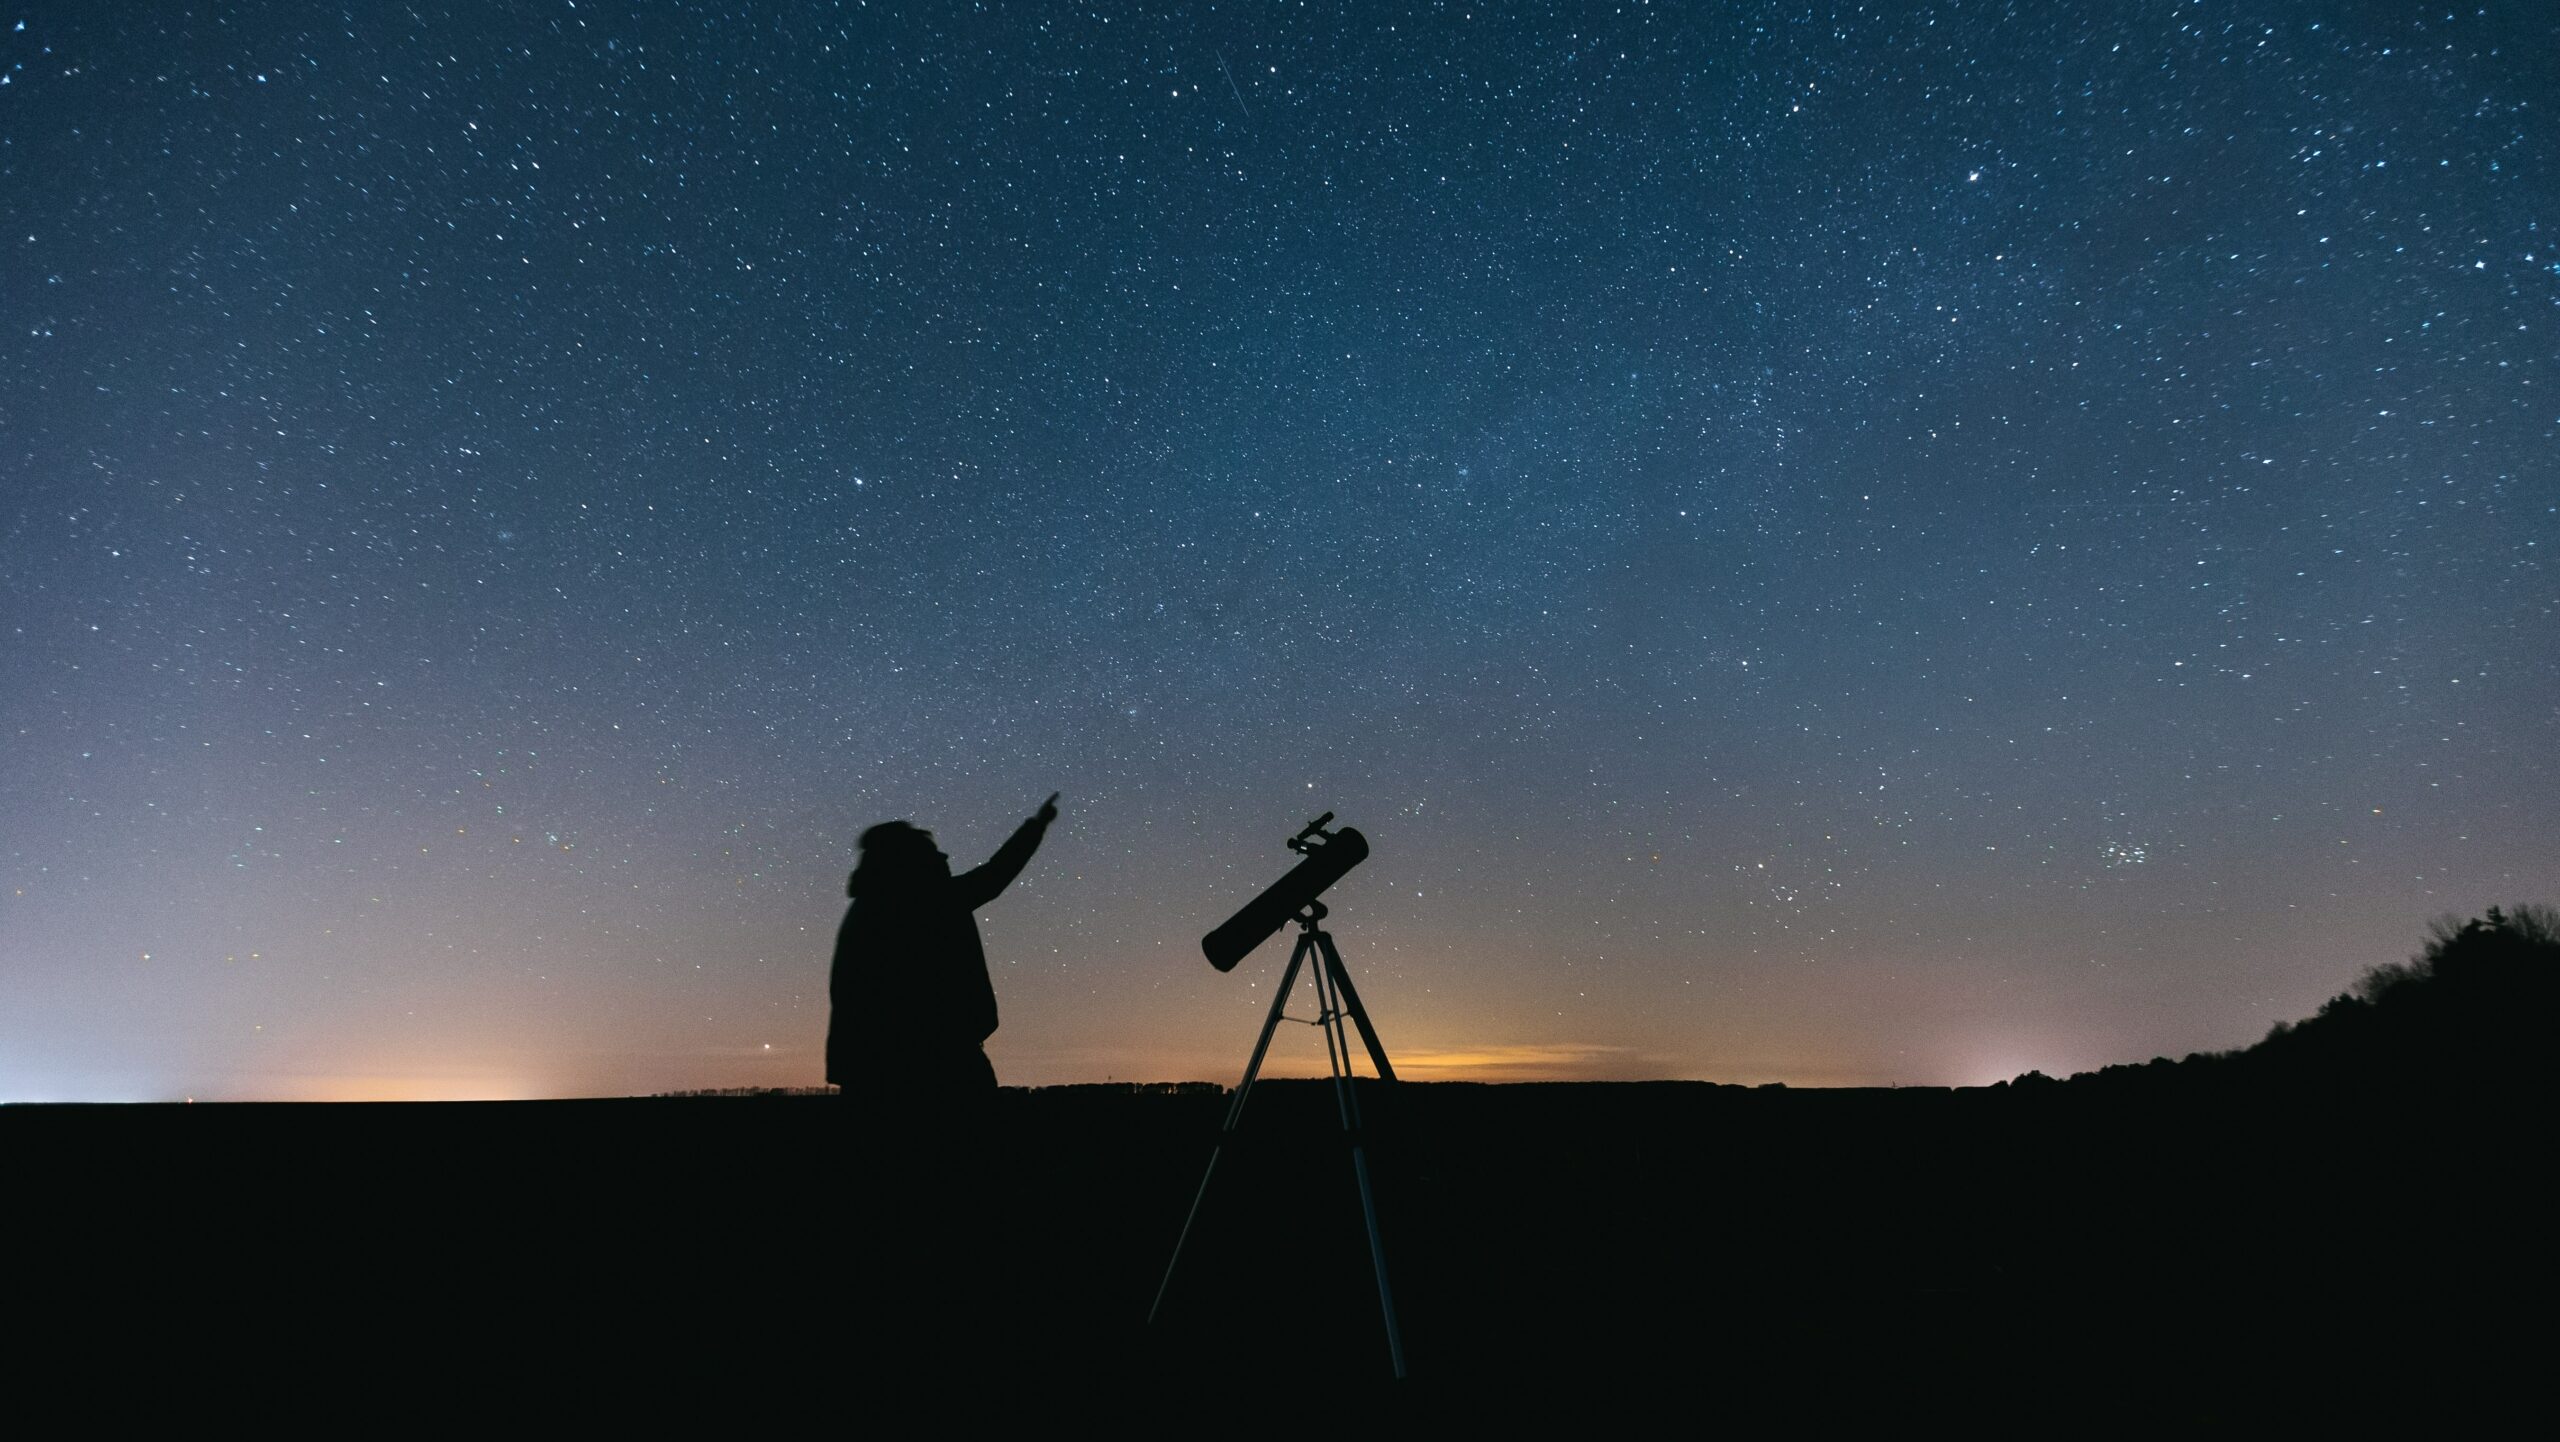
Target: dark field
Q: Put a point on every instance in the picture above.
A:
(2053, 1256)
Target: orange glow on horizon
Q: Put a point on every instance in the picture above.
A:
(399, 1087)
(1520, 1061)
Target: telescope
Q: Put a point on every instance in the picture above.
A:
(1329, 856)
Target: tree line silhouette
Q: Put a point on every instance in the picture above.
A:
(2472, 1009)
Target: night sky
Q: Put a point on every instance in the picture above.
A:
(1826, 544)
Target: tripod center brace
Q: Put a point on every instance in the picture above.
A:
(1336, 999)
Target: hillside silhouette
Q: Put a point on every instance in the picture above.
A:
(2473, 1009)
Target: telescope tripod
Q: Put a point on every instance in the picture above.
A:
(1336, 999)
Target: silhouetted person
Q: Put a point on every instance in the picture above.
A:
(911, 1003)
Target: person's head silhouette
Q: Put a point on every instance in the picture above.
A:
(899, 851)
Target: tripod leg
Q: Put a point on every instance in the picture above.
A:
(1378, 1260)
(1235, 1114)
(1351, 1002)
(1270, 1024)
(1332, 984)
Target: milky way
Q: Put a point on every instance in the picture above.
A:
(1820, 544)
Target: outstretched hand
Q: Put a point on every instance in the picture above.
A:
(1048, 810)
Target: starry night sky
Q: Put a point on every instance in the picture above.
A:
(1820, 543)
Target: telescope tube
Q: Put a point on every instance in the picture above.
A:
(1288, 896)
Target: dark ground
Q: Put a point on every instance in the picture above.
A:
(2050, 1257)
